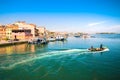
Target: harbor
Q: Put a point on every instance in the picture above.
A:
(61, 60)
(22, 32)
(59, 40)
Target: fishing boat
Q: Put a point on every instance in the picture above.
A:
(98, 49)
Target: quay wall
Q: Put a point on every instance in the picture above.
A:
(12, 43)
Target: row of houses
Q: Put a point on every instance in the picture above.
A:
(21, 31)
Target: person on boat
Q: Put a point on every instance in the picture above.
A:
(91, 48)
(101, 47)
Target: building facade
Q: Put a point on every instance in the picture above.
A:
(21, 34)
(42, 32)
(22, 31)
(2, 32)
(9, 29)
(22, 25)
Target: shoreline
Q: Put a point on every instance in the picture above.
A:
(2, 44)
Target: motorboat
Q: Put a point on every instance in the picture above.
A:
(37, 41)
(59, 38)
(98, 49)
(51, 39)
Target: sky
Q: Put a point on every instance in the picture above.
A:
(64, 15)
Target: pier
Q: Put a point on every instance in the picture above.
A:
(12, 43)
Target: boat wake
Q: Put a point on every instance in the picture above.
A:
(46, 55)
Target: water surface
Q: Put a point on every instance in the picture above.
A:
(62, 60)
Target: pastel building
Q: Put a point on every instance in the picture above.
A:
(2, 32)
(22, 31)
(9, 29)
(42, 31)
(21, 34)
(22, 25)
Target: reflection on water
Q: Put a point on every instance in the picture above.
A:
(13, 49)
(32, 48)
(24, 48)
(58, 42)
(20, 49)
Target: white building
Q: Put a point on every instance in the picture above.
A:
(42, 31)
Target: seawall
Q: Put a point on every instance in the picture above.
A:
(12, 43)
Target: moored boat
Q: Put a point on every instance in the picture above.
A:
(51, 39)
(60, 38)
(37, 41)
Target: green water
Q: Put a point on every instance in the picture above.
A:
(68, 60)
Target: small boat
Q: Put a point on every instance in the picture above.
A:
(51, 39)
(37, 41)
(60, 38)
(77, 36)
(98, 49)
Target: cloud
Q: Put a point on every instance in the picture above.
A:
(96, 23)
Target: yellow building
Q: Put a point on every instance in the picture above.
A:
(9, 29)
(9, 33)
(2, 32)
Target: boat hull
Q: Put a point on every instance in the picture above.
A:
(98, 50)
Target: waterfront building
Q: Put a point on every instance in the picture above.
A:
(51, 34)
(42, 32)
(22, 31)
(9, 29)
(21, 34)
(23, 25)
(2, 32)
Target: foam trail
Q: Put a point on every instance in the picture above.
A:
(50, 54)
(59, 69)
(44, 55)
(36, 68)
(45, 75)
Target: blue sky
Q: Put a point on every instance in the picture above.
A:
(64, 15)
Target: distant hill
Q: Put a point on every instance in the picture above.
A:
(107, 33)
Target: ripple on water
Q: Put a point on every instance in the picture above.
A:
(43, 55)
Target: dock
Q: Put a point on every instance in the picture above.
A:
(12, 43)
